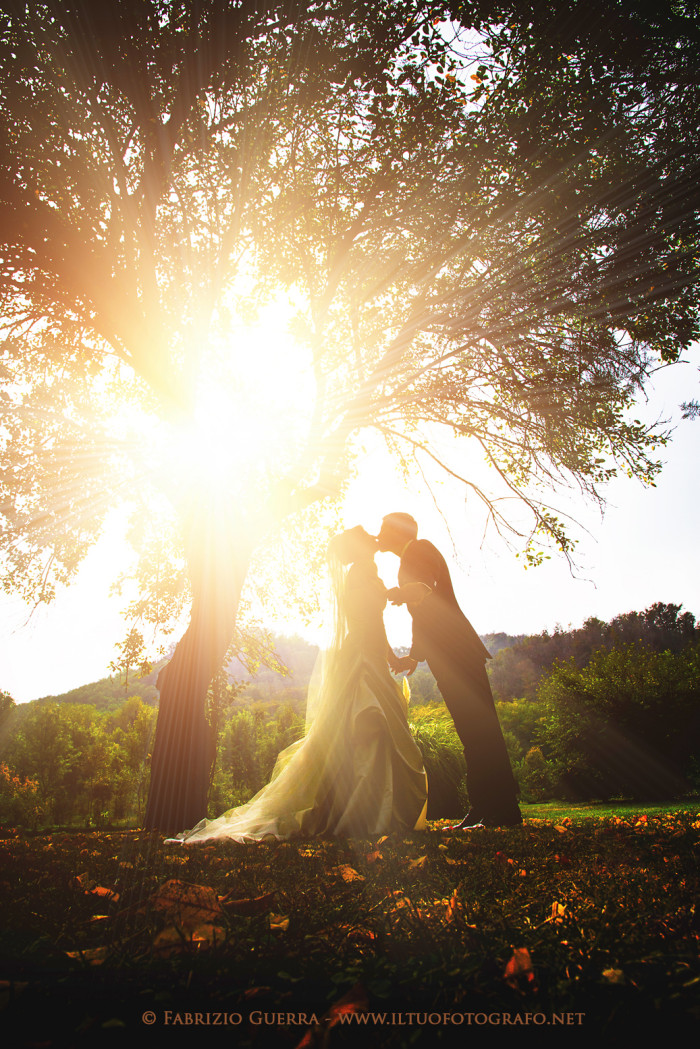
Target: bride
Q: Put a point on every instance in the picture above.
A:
(357, 771)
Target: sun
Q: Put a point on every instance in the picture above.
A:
(252, 400)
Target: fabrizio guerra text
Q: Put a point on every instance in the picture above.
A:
(402, 1019)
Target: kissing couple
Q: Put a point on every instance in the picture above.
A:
(357, 771)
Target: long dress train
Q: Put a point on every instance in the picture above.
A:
(357, 771)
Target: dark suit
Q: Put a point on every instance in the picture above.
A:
(444, 637)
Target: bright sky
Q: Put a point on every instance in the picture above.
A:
(645, 549)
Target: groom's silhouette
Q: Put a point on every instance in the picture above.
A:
(444, 637)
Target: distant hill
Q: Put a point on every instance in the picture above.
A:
(110, 692)
(265, 687)
(519, 663)
(294, 653)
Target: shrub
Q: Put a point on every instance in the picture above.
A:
(628, 723)
(535, 776)
(443, 758)
(19, 804)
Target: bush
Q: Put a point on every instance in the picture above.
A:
(19, 804)
(535, 776)
(626, 724)
(443, 757)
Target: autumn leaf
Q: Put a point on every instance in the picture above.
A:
(355, 1001)
(399, 905)
(249, 908)
(418, 864)
(372, 857)
(172, 940)
(454, 906)
(358, 934)
(252, 992)
(83, 882)
(557, 915)
(108, 894)
(348, 874)
(613, 975)
(519, 970)
(208, 935)
(279, 922)
(90, 955)
(186, 905)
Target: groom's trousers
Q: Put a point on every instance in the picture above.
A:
(467, 694)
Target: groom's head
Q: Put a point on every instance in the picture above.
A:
(397, 530)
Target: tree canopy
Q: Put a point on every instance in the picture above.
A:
(480, 216)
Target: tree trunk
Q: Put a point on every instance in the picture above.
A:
(184, 746)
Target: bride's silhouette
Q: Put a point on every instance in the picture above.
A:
(357, 771)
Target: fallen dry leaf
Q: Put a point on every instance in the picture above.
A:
(91, 955)
(173, 941)
(419, 863)
(557, 914)
(519, 970)
(82, 882)
(355, 1001)
(347, 873)
(252, 992)
(187, 905)
(398, 905)
(249, 908)
(358, 933)
(108, 894)
(454, 907)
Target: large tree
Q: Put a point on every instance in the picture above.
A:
(480, 216)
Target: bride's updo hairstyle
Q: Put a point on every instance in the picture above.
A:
(350, 545)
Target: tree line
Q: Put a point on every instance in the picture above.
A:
(603, 710)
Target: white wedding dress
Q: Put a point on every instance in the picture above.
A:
(357, 772)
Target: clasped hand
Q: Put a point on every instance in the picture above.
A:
(404, 665)
(410, 594)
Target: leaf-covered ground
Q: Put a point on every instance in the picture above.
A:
(587, 922)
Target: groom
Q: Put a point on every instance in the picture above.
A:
(444, 637)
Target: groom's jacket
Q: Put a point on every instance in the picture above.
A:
(441, 631)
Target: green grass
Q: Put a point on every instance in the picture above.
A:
(596, 809)
(600, 899)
